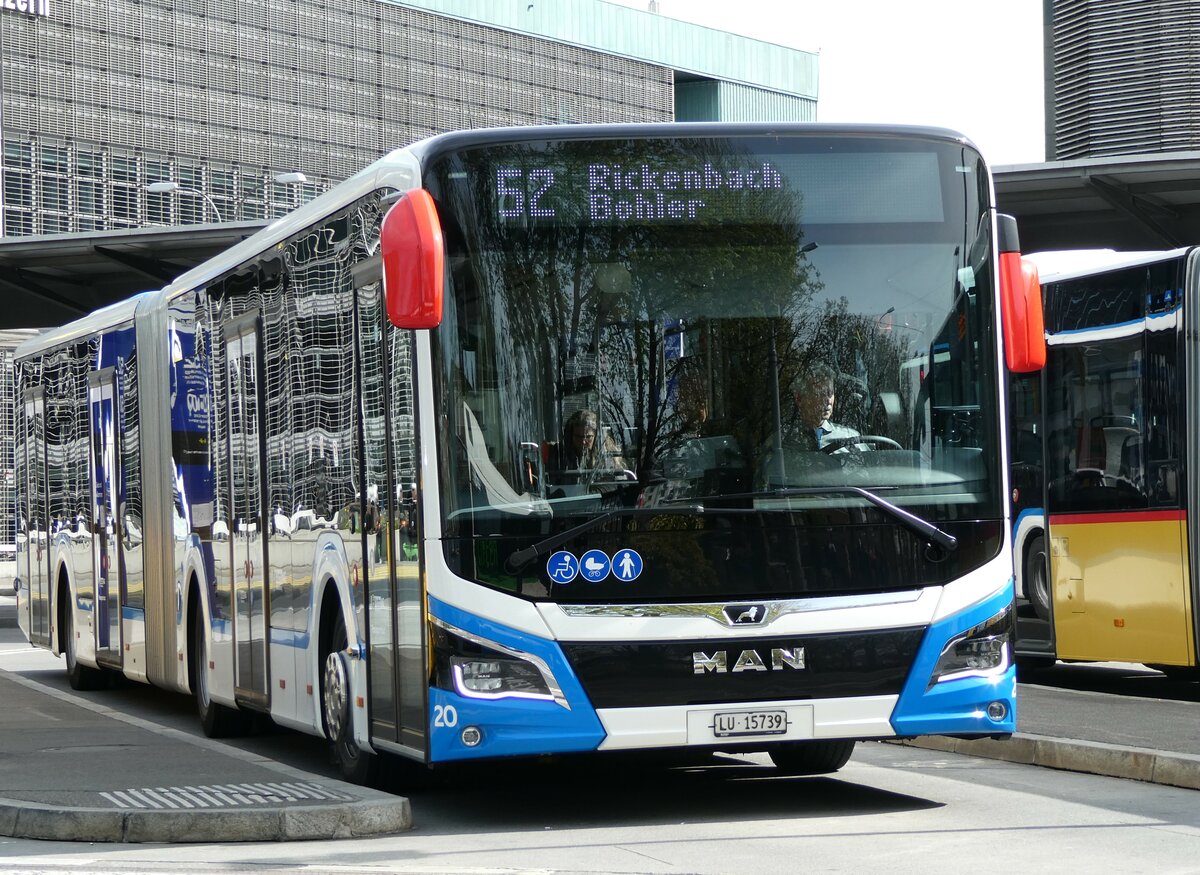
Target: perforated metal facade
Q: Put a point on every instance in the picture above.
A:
(99, 99)
(1126, 77)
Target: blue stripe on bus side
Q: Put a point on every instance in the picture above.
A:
(289, 637)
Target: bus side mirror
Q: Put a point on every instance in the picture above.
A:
(410, 240)
(1020, 303)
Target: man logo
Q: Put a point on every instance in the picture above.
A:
(748, 660)
(741, 615)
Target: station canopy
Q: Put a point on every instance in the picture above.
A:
(51, 279)
(1128, 203)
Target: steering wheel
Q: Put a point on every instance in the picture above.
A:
(876, 441)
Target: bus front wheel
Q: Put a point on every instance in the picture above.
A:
(812, 757)
(354, 764)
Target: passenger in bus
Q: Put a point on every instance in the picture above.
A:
(580, 455)
(578, 450)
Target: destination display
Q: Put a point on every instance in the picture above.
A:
(614, 191)
(720, 182)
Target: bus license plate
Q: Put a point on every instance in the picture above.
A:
(728, 723)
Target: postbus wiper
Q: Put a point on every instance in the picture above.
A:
(918, 524)
(521, 558)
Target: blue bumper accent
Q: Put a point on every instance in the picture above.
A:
(510, 727)
(957, 707)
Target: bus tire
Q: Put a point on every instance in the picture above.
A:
(353, 764)
(217, 720)
(812, 757)
(79, 676)
(1037, 580)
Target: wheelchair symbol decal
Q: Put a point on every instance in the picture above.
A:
(562, 567)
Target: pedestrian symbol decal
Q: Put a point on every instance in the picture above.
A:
(562, 567)
(626, 565)
(594, 565)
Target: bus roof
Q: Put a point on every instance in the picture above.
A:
(1093, 261)
(105, 317)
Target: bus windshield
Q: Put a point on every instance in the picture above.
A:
(743, 325)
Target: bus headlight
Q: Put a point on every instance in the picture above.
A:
(477, 668)
(982, 651)
(491, 677)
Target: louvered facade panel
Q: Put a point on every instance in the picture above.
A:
(1126, 77)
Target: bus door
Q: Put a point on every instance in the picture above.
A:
(36, 587)
(247, 512)
(395, 602)
(106, 521)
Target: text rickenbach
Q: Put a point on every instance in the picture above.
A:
(646, 194)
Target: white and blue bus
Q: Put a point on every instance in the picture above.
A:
(498, 448)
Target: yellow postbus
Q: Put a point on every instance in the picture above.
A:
(1104, 463)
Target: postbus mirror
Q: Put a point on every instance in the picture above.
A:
(410, 240)
(1020, 303)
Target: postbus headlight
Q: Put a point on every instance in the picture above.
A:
(981, 651)
(477, 668)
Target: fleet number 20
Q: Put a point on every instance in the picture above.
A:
(445, 715)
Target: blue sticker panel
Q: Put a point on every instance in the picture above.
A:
(957, 706)
(562, 567)
(594, 565)
(510, 727)
(626, 564)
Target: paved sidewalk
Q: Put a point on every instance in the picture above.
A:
(74, 770)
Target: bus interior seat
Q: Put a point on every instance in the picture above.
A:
(1131, 458)
(1115, 439)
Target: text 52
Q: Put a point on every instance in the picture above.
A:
(521, 193)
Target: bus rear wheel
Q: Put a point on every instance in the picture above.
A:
(79, 676)
(812, 757)
(217, 720)
(355, 765)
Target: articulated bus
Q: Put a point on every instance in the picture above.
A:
(494, 450)
(1105, 457)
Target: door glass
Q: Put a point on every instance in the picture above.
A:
(105, 532)
(410, 604)
(379, 518)
(249, 567)
(38, 544)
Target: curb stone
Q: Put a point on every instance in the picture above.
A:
(1091, 757)
(31, 820)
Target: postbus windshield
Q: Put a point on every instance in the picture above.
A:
(716, 336)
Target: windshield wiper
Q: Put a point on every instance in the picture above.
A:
(521, 558)
(921, 526)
